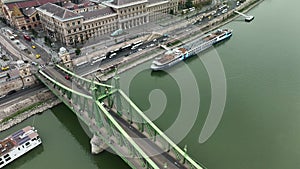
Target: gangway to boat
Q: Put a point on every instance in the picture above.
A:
(248, 18)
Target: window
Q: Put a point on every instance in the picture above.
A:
(68, 24)
(73, 23)
(27, 144)
(7, 159)
(78, 22)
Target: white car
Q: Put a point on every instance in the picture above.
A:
(224, 11)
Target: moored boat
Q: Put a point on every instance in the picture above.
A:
(18, 144)
(176, 55)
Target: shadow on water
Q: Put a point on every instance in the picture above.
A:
(75, 127)
(26, 157)
(70, 122)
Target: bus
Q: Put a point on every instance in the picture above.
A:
(126, 47)
(98, 59)
(112, 55)
(137, 45)
(137, 42)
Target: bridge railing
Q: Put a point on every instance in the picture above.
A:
(115, 129)
(82, 78)
(134, 115)
(100, 114)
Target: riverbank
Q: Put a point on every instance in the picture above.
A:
(21, 110)
(38, 106)
(124, 64)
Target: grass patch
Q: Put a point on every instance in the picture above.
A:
(33, 106)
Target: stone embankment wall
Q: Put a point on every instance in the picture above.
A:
(48, 101)
(39, 97)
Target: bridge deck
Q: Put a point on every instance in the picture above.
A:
(153, 151)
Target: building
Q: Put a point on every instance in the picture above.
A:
(22, 14)
(75, 23)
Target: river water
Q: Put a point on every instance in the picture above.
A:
(235, 106)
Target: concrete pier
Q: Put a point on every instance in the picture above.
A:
(97, 145)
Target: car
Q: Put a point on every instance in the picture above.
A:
(37, 56)
(27, 37)
(33, 47)
(4, 68)
(34, 63)
(67, 77)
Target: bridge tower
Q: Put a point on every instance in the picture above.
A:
(65, 57)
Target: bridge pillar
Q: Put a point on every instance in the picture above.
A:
(97, 145)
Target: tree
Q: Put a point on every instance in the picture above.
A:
(188, 4)
(77, 51)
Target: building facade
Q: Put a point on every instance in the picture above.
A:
(22, 14)
(75, 23)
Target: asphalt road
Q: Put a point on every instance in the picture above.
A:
(22, 93)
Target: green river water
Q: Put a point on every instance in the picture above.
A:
(258, 129)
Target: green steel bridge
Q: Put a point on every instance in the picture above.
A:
(116, 121)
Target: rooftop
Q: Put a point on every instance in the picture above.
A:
(98, 13)
(58, 12)
(29, 4)
(122, 2)
(29, 11)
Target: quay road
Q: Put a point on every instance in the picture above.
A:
(152, 150)
(22, 93)
(180, 28)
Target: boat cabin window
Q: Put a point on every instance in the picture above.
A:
(1, 162)
(27, 144)
(7, 159)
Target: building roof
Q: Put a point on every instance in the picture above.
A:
(97, 13)
(14, 73)
(30, 3)
(29, 11)
(122, 2)
(156, 1)
(70, 5)
(58, 12)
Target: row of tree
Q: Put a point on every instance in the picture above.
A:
(198, 5)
